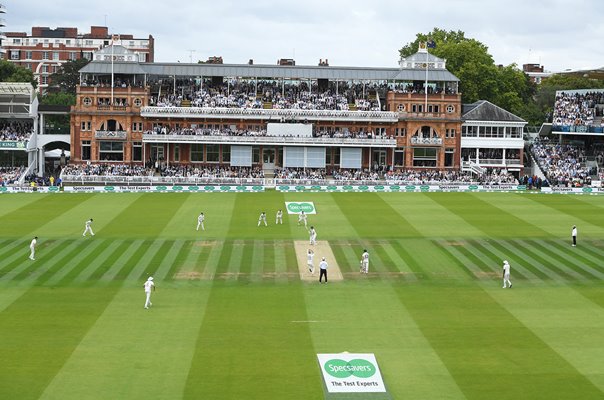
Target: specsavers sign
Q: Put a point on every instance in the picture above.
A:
(351, 373)
(297, 207)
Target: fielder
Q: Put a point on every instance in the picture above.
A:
(148, 285)
(506, 274)
(573, 233)
(279, 219)
(262, 218)
(88, 228)
(313, 235)
(32, 248)
(302, 219)
(365, 262)
(310, 257)
(200, 222)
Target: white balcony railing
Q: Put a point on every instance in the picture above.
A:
(274, 114)
(271, 140)
(433, 141)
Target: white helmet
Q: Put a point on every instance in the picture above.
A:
(150, 278)
(505, 261)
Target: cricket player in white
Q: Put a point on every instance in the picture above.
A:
(32, 248)
(302, 218)
(200, 222)
(279, 219)
(148, 285)
(506, 274)
(313, 235)
(262, 218)
(574, 235)
(310, 257)
(365, 262)
(88, 228)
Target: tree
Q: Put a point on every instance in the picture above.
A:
(10, 72)
(480, 79)
(67, 77)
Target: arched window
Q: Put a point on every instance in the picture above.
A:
(111, 125)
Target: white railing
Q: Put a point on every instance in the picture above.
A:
(276, 140)
(276, 114)
(433, 141)
(157, 180)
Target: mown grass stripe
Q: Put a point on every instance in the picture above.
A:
(590, 250)
(87, 253)
(494, 267)
(115, 248)
(544, 254)
(63, 259)
(591, 271)
(509, 252)
(416, 269)
(350, 258)
(185, 250)
(35, 270)
(96, 276)
(461, 259)
(169, 260)
(22, 256)
(256, 261)
(121, 262)
(399, 263)
(235, 260)
(337, 247)
(144, 267)
(280, 265)
(245, 267)
(496, 262)
(189, 264)
(563, 274)
(131, 262)
(213, 261)
(383, 261)
(9, 250)
(291, 261)
(476, 260)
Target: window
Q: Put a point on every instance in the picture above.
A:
(137, 151)
(55, 55)
(44, 69)
(85, 149)
(212, 153)
(111, 151)
(255, 154)
(424, 157)
(86, 125)
(88, 42)
(35, 41)
(16, 41)
(14, 54)
(450, 133)
(132, 43)
(73, 56)
(68, 42)
(336, 156)
(176, 152)
(137, 126)
(327, 156)
(196, 152)
(87, 55)
(138, 102)
(417, 108)
(401, 108)
(400, 132)
(87, 101)
(449, 157)
(226, 153)
(29, 55)
(44, 80)
(45, 55)
(28, 66)
(450, 108)
(399, 157)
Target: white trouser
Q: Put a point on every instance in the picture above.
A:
(279, 221)
(87, 230)
(365, 267)
(202, 227)
(311, 268)
(32, 255)
(148, 301)
(261, 221)
(506, 280)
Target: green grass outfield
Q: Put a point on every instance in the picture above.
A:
(231, 318)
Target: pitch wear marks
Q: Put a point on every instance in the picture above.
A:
(298, 206)
(351, 373)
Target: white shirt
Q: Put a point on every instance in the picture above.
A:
(574, 232)
(313, 233)
(88, 223)
(365, 257)
(310, 257)
(506, 269)
(323, 264)
(262, 216)
(301, 217)
(200, 218)
(148, 286)
(33, 244)
(279, 214)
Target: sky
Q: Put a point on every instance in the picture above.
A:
(558, 34)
